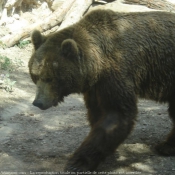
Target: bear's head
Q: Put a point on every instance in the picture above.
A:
(57, 68)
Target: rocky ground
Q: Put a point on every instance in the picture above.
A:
(40, 142)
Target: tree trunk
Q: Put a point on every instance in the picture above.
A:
(76, 12)
(154, 4)
(51, 21)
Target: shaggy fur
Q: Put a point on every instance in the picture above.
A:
(112, 59)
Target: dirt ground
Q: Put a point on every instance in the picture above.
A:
(40, 142)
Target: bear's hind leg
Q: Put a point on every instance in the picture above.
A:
(167, 148)
(105, 136)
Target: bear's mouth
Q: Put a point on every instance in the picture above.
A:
(55, 103)
(46, 103)
(43, 106)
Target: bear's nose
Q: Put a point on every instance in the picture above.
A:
(38, 104)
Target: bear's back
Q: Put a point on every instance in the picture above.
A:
(142, 45)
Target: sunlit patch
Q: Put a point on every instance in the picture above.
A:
(4, 155)
(142, 167)
(110, 128)
(55, 64)
(124, 25)
(122, 158)
(49, 127)
(137, 148)
(37, 67)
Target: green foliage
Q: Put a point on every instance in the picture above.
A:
(8, 83)
(7, 66)
(2, 45)
(5, 63)
(23, 44)
(18, 62)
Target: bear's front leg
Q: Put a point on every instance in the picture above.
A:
(105, 136)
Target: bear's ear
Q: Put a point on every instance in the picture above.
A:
(37, 39)
(69, 48)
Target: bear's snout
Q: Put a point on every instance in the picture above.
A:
(38, 104)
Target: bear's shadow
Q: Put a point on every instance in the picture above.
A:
(55, 146)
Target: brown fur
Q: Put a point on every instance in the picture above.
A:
(112, 59)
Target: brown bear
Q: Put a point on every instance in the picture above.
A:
(112, 59)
